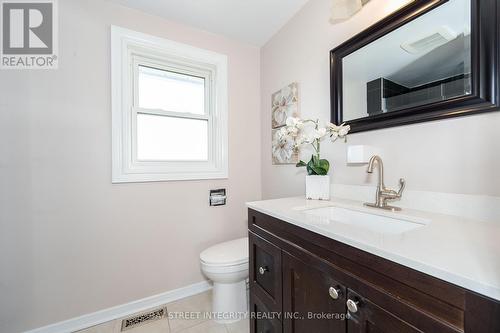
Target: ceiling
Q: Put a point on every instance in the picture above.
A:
(253, 22)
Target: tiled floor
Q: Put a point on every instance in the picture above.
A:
(200, 303)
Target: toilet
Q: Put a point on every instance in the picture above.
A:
(226, 264)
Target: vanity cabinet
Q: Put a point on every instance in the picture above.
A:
(304, 282)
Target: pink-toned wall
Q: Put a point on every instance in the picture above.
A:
(71, 243)
(459, 155)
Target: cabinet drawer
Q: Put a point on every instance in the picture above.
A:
(365, 316)
(263, 320)
(265, 271)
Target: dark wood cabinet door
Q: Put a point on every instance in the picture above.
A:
(312, 300)
(263, 320)
(366, 317)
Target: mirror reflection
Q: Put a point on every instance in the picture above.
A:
(425, 61)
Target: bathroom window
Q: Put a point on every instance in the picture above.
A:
(169, 110)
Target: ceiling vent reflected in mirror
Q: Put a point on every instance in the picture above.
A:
(431, 41)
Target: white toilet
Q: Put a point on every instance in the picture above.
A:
(226, 264)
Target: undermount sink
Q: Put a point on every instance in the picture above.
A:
(328, 217)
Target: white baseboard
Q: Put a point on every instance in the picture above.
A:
(124, 310)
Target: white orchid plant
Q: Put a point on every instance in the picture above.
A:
(295, 131)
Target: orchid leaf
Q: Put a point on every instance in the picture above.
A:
(301, 164)
(324, 165)
(310, 168)
(317, 166)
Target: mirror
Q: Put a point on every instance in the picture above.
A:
(421, 62)
(403, 68)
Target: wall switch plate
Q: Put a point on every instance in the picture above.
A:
(217, 197)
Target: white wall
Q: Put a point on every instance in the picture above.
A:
(72, 243)
(460, 155)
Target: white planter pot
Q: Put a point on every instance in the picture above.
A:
(318, 187)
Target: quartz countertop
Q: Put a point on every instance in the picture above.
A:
(461, 251)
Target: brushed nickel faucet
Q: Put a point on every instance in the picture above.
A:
(384, 194)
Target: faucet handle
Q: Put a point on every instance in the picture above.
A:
(402, 184)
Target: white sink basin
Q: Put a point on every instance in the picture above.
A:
(328, 218)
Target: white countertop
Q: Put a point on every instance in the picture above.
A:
(461, 251)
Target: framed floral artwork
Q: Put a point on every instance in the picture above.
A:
(283, 151)
(285, 103)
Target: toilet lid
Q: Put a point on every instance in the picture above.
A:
(228, 253)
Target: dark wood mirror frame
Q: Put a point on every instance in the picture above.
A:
(485, 71)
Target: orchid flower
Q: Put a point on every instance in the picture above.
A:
(295, 132)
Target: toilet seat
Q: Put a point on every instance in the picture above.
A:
(233, 253)
(207, 268)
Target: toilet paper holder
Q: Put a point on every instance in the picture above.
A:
(217, 197)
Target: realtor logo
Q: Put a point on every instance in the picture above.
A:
(29, 34)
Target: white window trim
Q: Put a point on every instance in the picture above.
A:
(128, 47)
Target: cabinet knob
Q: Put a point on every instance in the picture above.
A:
(263, 270)
(334, 292)
(352, 306)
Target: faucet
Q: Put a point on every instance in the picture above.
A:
(384, 194)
